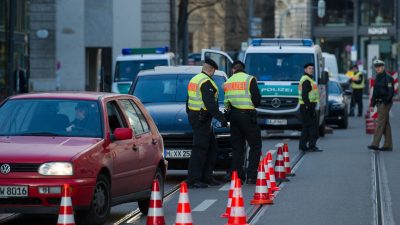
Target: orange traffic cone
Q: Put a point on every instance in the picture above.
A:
(279, 167)
(286, 160)
(66, 212)
(267, 177)
(155, 216)
(271, 171)
(234, 176)
(183, 212)
(261, 195)
(238, 215)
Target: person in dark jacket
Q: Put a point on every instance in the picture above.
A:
(382, 98)
(201, 107)
(242, 96)
(308, 98)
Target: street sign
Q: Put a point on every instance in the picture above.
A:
(255, 27)
(321, 8)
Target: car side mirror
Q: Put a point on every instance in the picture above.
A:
(122, 134)
(324, 77)
(348, 92)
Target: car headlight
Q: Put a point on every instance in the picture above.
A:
(56, 169)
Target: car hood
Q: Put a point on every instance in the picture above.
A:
(170, 117)
(34, 149)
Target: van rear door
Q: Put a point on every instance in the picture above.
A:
(223, 60)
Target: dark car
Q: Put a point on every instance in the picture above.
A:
(338, 105)
(163, 91)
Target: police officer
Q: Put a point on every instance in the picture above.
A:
(201, 106)
(357, 84)
(242, 96)
(309, 98)
(382, 98)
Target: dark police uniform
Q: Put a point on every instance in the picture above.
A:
(242, 96)
(202, 105)
(357, 84)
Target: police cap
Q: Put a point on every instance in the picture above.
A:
(308, 64)
(378, 62)
(238, 62)
(211, 63)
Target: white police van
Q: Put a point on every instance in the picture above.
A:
(134, 60)
(278, 66)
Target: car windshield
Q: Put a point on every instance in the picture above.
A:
(277, 66)
(168, 87)
(127, 70)
(50, 117)
(334, 88)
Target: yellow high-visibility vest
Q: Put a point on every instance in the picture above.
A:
(355, 78)
(195, 101)
(237, 91)
(313, 95)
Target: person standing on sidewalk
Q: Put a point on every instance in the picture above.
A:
(242, 96)
(382, 98)
(308, 98)
(357, 84)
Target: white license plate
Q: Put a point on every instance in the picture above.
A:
(13, 191)
(177, 154)
(276, 122)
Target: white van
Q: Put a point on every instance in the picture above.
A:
(134, 60)
(331, 64)
(278, 65)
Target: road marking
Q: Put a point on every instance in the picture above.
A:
(226, 187)
(204, 205)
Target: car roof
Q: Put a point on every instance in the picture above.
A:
(168, 55)
(176, 70)
(67, 95)
(281, 49)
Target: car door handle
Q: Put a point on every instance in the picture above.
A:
(134, 148)
(154, 141)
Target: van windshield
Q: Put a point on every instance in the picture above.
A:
(277, 66)
(127, 70)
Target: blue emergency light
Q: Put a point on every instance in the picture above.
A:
(282, 42)
(141, 51)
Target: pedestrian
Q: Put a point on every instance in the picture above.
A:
(308, 98)
(242, 96)
(201, 107)
(357, 84)
(382, 98)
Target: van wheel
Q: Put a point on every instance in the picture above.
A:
(145, 203)
(100, 205)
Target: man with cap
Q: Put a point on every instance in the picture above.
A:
(357, 84)
(382, 98)
(242, 96)
(201, 107)
(308, 98)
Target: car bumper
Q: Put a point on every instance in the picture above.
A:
(293, 121)
(36, 202)
(336, 115)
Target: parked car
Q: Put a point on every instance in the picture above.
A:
(105, 146)
(344, 81)
(163, 91)
(337, 104)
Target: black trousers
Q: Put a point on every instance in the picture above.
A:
(309, 132)
(356, 98)
(204, 151)
(244, 128)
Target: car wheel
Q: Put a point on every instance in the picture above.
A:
(322, 129)
(145, 203)
(344, 123)
(100, 205)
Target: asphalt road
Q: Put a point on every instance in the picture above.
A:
(336, 186)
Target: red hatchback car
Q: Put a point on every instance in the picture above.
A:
(105, 146)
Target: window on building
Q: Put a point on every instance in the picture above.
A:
(337, 13)
(377, 12)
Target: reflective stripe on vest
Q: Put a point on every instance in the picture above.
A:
(313, 95)
(195, 101)
(356, 77)
(237, 91)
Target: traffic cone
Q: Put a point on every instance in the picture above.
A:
(279, 167)
(155, 215)
(271, 171)
(267, 177)
(234, 176)
(238, 215)
(261, 195)
(66, 212)
(286, 160)
(183, 212)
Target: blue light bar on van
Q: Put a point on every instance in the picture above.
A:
(141, 51)
(282, 42)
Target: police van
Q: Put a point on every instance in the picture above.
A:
(278, 66)
(134, 60)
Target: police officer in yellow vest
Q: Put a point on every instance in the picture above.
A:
(242, 96)
(201, 106)
(308, 98)
(357, 84)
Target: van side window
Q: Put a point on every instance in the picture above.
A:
(115, 120)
